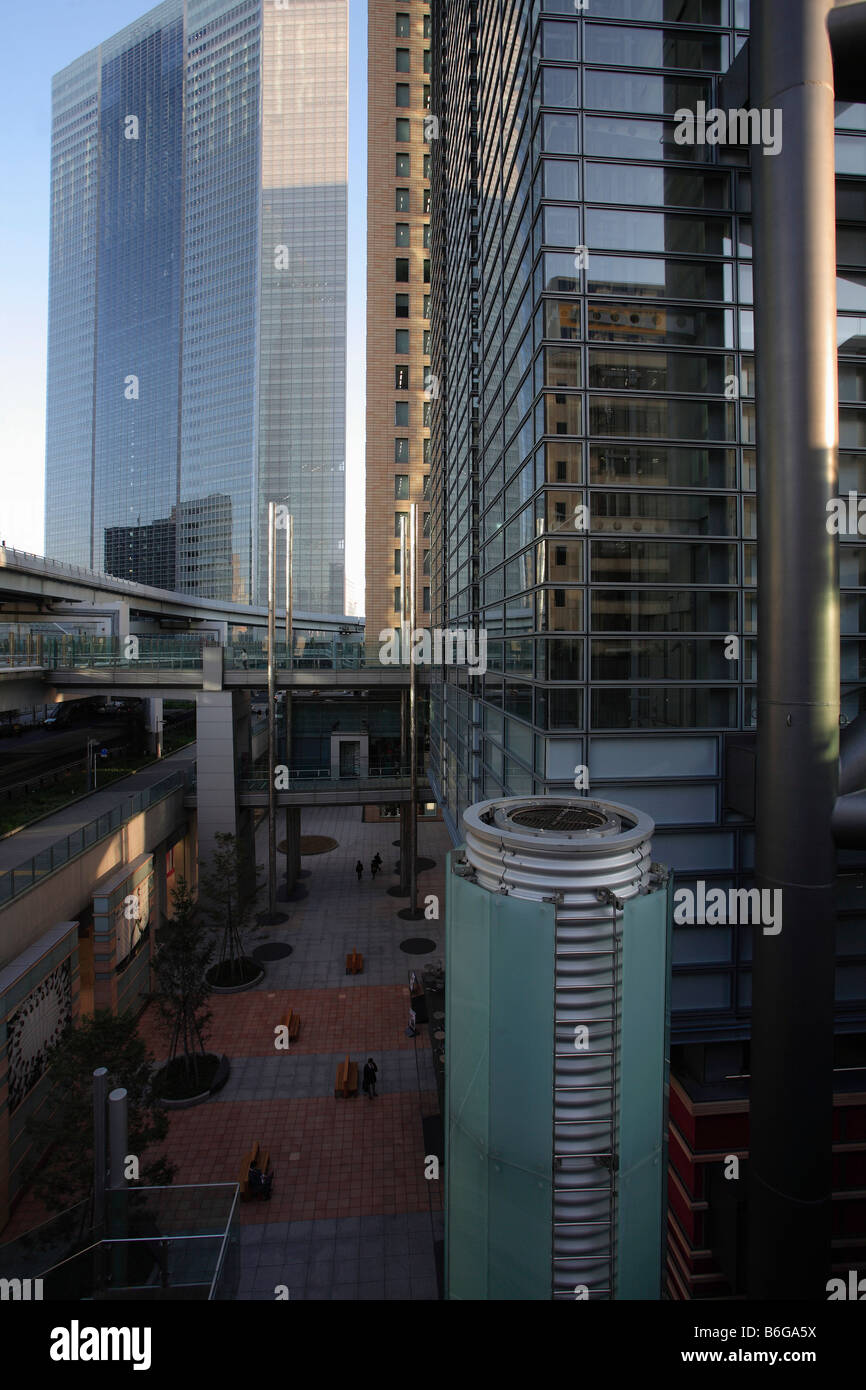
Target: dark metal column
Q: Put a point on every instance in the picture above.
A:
(798, 627)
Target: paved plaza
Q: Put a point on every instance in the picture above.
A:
(352, 1215)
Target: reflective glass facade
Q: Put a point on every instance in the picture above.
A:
(197, 320)
(592, 326)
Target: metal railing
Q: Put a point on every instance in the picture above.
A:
(23, 877)
(299, 779)
(147, 653)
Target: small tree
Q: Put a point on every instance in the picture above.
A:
(184, 950)
(63, 1130)
(227, 895)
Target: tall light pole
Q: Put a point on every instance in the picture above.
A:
(413, 716)
(272, 917)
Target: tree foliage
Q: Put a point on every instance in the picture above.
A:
(227, 897)
(184, 950)
(63, 1128)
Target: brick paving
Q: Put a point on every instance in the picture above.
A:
(352, 1215)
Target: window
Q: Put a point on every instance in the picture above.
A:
(427, 61)
(402, 60)
(427, 524)
(401, 341)
(426, 414)
(401, 414)
(426, 306)
(401, 271)
(401, 451)
(403, 165)
(401, 306)
(427, 235)
(425, 200)
(426, 487)
(426, 273)
(401, 491)
(426, 166)
(397, 598)
(401, 200)
(398, 523)
(401, 378)
(426, 96)
(426, 563)
(425, 601)
(426, 26)
(425, 453)
(401, 95)
(397, 564)
(401, 234)
(402, 29)
(559, 598)
(402, 135)
(426, 337)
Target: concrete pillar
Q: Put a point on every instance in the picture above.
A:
(216, 777)
(791, 1090)
(153, 723)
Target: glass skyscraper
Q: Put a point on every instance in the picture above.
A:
(592, 328)
(197, 315)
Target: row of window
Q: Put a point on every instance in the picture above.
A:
(403, 162)
(401, 306)
(403, 26)
(402, 200)
(402, 451)
(402, 60)
(401, 341)
(402, 232)
(401, 488)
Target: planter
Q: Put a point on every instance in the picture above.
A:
(252, 969)
(220, 1075)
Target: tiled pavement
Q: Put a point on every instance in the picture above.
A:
(352, 1215)
(358, 1257)
(303, 1076)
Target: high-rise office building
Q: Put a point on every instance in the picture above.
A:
(594, 505)
(197, 317)
(399, 390)
(618, 379)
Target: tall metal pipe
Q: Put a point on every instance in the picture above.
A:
(290, 548)
(413, 713)
(272, 713)
(100, 1161)
(798, 626)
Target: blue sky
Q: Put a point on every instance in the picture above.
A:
(39, 40)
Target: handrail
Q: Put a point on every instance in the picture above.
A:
(22, 877)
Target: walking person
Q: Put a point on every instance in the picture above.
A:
(374, 867)
(359, 870)
(245, 659)
(378, 861)
(370, 1071)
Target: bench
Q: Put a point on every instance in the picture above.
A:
(354, 963)
(256, 1155)
(292, 1021)
(346, 1084)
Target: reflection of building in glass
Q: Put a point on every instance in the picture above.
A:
(198, 286)
(190, 550)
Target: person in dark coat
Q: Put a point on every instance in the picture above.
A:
(374, 867)
(377, 861)
(359, 870)
(370, 1071)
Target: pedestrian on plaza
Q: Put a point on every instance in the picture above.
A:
(359, 870)
(378, 861)
(374, 867)
(370, 1071)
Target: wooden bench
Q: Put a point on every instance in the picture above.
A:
(292, 1021)
(256, 1155)
(346, 1084)
(354, 963)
